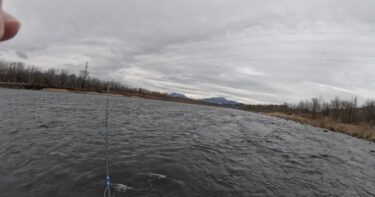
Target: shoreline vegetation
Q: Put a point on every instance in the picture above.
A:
(344, 116)
(338, 115)
(359, 130)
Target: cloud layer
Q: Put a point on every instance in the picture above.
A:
(260, 51)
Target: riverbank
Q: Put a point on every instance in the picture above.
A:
(77, 91)
(161, 97)
(144, 95)
(361, 130)
(27, 86)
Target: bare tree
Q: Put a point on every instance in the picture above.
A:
(83, 75)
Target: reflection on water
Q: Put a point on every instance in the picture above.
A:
(51, 144)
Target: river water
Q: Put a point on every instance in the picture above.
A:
(51, 144)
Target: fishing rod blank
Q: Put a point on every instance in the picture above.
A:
(107, 191)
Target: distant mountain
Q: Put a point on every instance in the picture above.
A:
(178, 95)
(220, 101)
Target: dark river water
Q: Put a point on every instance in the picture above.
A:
(52, 144)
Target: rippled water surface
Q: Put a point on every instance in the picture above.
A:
(51, 144)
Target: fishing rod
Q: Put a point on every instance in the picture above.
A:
(117, 187)
(107, 191)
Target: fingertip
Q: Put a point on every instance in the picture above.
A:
(11, 26)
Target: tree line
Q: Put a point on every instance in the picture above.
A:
(19, 73)
(341, 110)
(347, 111)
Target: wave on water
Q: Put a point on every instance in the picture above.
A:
(155, 175)
(121, 187)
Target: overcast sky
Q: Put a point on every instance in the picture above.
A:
(254, 51)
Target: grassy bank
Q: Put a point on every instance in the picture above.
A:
(361, 130)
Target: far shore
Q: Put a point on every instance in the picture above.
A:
(163, 97)
(78, 91)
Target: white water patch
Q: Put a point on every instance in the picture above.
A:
(159, 176)
(121, 187)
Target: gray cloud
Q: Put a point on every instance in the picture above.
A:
(262, 51)
(21, 54)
